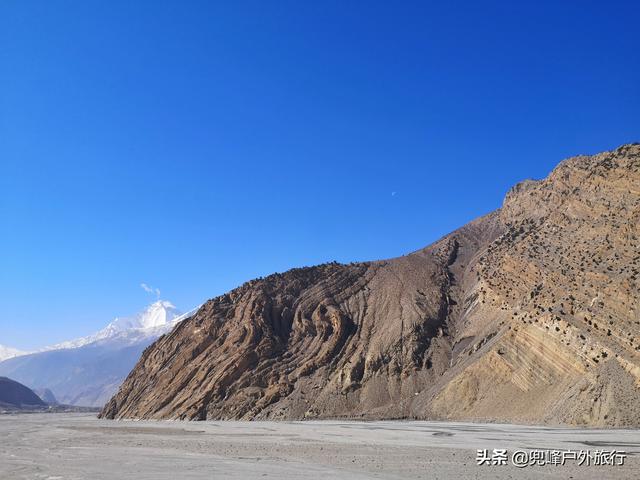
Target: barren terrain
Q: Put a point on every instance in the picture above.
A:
(79, 447)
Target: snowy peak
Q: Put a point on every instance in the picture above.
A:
(88, 371)
(157, 314)
(153, 321)
(8, 352)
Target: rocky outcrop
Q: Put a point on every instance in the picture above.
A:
(529, 314)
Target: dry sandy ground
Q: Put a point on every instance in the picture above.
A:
(78, 446)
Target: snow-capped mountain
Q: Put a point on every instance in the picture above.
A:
(88, 371)
(155, 320)
(8, 352)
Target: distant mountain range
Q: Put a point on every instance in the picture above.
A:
(87, 371)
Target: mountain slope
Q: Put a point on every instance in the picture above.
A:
(16, 395)
(46, 396)
(88, 371)
(529, 314)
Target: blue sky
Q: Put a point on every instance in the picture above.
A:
(196, 145)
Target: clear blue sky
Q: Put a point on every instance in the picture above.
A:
(195, 145)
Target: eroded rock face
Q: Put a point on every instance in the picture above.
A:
(529, 314)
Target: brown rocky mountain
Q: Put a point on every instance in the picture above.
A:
(528, 314)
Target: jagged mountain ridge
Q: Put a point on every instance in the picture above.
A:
(528, 314)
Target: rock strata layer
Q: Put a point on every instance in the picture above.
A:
(528, 314)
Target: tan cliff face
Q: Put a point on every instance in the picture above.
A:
(529, 314)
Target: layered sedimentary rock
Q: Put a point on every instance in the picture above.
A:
(528, 314)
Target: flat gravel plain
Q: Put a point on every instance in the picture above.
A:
(62, 446)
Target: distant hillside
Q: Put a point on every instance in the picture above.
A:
(16, 395)
(46, 396)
